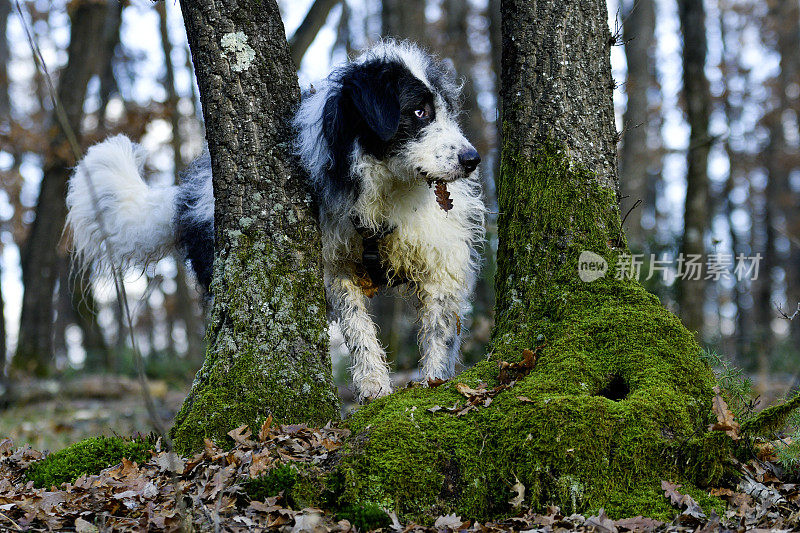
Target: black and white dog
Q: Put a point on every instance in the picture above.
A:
(373, 137)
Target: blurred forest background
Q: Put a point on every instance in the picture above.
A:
(709, 167)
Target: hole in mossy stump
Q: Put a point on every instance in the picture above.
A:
(616, 389)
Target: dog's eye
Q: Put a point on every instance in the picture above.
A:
(421, 113)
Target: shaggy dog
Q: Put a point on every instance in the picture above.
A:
(374, 137)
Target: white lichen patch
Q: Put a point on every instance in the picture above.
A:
(240, 54)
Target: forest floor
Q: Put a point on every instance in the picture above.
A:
(213, 484)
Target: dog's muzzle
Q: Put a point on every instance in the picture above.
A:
(469, 160)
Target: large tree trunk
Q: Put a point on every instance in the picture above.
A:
(5, 115)
(697, 98)
(305, 34)
(5, 104)
(636, 157)
(268, 332)
(40, 261)
(617, 392)
(404, 19)
(785, 18)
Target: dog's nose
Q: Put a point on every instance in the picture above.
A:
(469, 159)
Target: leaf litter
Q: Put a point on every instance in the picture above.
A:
(204, 492)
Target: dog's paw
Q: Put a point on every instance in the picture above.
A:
(373, 387)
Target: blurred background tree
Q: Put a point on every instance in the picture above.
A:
(709, 156)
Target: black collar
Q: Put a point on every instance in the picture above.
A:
(371, 257)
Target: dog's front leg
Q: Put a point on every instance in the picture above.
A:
(348, 303)
(439, 334)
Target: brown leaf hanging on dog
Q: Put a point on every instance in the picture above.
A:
(443, 196)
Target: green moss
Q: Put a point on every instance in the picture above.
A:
(88, 456)
(365, 517)
(268, 348)
(280, 479)
(772, 418)
(618, 391)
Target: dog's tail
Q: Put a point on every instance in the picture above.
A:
(117, 220)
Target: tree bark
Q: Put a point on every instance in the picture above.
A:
(40, 259)
(785, 17)
(5, 115)
(636, 157)
(763, 242)
(309, 28)
(404, 19)
(187, 307)
(697, 98)
(5, 104)
(83, 308)
(268, 333)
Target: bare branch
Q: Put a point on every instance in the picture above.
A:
(786, 316)
(309, 28)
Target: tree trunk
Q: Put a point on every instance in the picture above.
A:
(84, 309)
(40, 261)
(763, 239)
(5, 115)
(617, 393)
(404, 19)
(108, 81)
(5, 104)
(636, 157)
(309, 28)
(268, 333)
(187, 307)
(786, 19)
(697, 98)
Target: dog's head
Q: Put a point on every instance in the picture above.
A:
(395, 104)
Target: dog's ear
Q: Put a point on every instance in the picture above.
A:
(374, 95)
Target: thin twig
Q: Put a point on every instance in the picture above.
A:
(16, 526)
(786, 316)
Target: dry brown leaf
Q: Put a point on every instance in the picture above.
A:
(638, 523)
(450, 521)
(601, 523)
(443, 196)
(691, 508)
(241, 435)
(725, 419)
(266, 430)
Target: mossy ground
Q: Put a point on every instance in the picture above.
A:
(88, 456)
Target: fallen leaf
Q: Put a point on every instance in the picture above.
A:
(241, 435)
(450, 521)
(519, 497)
(170, 462)
(638, 523)
(602, 522)
(725, 420)
(265, 431)
(83, 526)
(692, 509)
